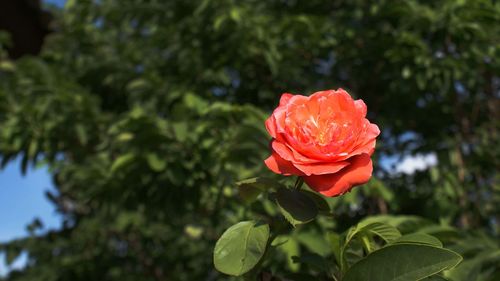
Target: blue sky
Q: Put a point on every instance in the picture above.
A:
(22, 198)
(55, 2)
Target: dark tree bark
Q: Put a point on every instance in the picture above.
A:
(27, 25)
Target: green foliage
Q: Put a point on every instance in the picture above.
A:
(241, 247)
(402, 262)
(371, 250)
(296, 207)
(364, 233)
(482, 256)
(250, 189)
(419, 238)
(147, 112)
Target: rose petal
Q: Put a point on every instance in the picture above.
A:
(311, 150)
(279, 119)
(358, 172)
(368, 145)
(276, 122)
(313, 167)
(281, 166)
(324, 93)
(288, 153)
(285, 97)
(321, 169)
(301, 158)
(361, 107)
(343, 101)
(295, 100)
(271, 126)
(282, 150)
(372, 132)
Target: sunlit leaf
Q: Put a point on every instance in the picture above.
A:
(400, 262)
(241, 247)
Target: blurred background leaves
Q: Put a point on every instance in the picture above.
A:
(147, 112)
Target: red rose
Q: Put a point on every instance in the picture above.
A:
(324, 138)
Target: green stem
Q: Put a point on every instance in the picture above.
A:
(298, 183)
